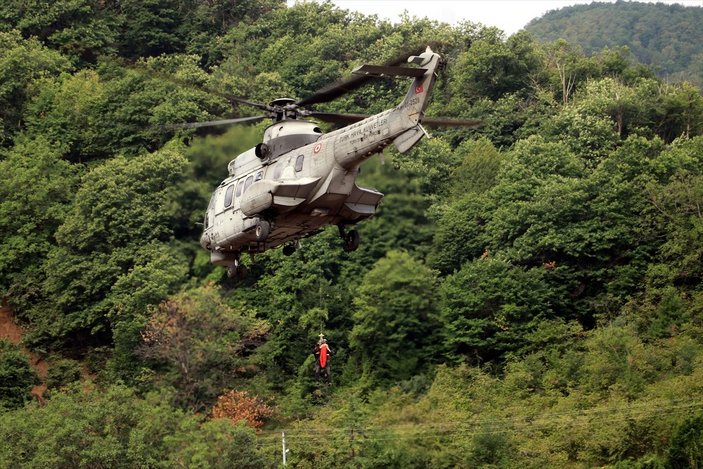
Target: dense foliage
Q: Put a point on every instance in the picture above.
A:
(667, 37)
(530, 292)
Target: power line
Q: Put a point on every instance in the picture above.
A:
(494, 425)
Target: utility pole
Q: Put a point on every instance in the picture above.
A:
(283, 440)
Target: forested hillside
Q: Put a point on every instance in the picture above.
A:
(530, 293)
(669, 38)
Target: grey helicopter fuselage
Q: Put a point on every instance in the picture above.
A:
(300, 180)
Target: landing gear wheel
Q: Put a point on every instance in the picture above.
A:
(237, 270)
(351, 241)
(288, 249)
(263, 228)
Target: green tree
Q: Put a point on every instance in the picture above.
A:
(592, 137)
(217, 443)
(679, 112)
(113, 427)
(79, 29)
(62, 373)
(493, 67)
(125, 216)
(401, 221)
(685, 449)
(22, 63)
(68, 111)
(140, 102)
(395, 323)
(661, 36)
(459, 234)
(36, 189)
(568, 65)
(149, 28)
(158, 271)
(204, 343)
(489, 308)
(16, 377)
(300, 296)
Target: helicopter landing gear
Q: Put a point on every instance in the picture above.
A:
(289, 249)
(263, 228)
(351, 239)
(237, 270)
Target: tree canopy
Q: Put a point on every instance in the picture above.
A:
(529, 293)
(666, 37)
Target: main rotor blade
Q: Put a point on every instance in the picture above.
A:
(340, 88)
(446, 122)
(335, 91)
(195, 125)
(155, 74)
(262, 106)
(338, 118)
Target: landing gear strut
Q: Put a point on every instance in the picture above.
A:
(232, 270)
(351, 239)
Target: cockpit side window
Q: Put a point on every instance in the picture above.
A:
(229, 195)
(211, 204)
(299, 163)
(259, 176)
(218, 202)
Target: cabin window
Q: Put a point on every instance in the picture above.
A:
(240, 187)
(259, 176)
(299, 163)
(248, 183)
(229, 195)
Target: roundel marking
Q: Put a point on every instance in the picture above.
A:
(317, 148)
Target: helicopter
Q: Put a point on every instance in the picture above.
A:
(299, 180)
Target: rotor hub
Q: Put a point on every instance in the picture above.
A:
(284, 109)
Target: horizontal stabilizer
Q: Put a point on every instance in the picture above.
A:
(361, 203)
(387, 71)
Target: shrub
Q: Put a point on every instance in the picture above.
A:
(16, 377)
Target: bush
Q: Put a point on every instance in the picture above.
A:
(62, 373)
(16, 377)
(83, 426)
(686, 448)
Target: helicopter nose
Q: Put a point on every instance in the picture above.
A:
(205, 241)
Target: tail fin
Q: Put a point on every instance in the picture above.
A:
(417, 98)
(413, 106)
